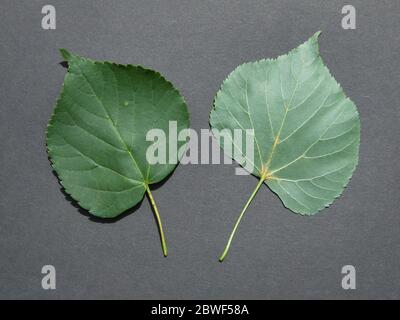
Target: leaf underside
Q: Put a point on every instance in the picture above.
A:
(96, 137)
(306, 131)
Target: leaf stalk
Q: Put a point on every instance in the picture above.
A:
(225, 252)
(157, 215)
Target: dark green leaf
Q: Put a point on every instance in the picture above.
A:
(96, 137)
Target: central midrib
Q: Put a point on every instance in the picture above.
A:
(112, 122)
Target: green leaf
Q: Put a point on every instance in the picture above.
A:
(306, 131)
(96, 137)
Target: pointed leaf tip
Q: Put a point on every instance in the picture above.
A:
(313, 43)
(314, 37)
(65, 54)
(317, 34)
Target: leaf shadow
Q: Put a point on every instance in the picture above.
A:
(155, 186)
(64, 64)
(93, 218)
(90, 216)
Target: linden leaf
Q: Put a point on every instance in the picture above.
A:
(96, 137)
(306, 131)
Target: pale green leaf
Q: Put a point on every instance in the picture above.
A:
(306, 131)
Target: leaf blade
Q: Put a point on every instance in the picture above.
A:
(304, 125)
(96, 137)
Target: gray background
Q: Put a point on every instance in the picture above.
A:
(195, 44)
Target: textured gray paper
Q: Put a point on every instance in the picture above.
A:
(196, 44)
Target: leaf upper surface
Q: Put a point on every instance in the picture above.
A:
(96, 137)
(306, 131)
